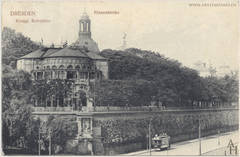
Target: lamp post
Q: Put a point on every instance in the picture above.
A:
(199, 133)
(39, 140)
(150, 137)
(50, 141)
(219, 137)
(39, 144)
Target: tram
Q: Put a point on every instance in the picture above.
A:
(161, 141)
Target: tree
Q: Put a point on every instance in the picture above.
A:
(62, 129)
(15, 45)
(46, 91)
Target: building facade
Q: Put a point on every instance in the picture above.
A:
(78, 61)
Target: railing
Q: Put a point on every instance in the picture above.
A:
(52, 109)
(114, 108)
(81, 81)
(154, 108)
(123, 108)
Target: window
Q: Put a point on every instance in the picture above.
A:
(81, 76)
(61, 67)
(47, 75)
(54, 67)
(39, 75)
(92, 75)
(81, 26)
(71, 74)
(61, 75)
(70, 67)
(77, 67)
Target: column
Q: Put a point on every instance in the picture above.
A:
(79, 123)
(89, 27)
(53, 74)
(78, 75)
(36, 103)
(91, 123)
(57, 102)
(52, 101)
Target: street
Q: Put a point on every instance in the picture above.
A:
(191, 147)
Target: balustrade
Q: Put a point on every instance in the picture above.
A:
(53, 109)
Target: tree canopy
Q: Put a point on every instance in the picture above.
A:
(167, 81)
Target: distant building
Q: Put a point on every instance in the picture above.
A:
(223, 70)
(204, 69)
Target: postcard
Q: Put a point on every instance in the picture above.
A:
(125, 78)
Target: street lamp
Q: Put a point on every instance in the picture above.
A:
(219, 137)
(150, 137)
(39, 141)
(199, 133)
(50, 141)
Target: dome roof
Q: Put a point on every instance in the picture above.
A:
(89, 43)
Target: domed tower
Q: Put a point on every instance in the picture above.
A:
(84, 35)
(84, 27)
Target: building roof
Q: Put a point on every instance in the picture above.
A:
(35, 54)
(51, 51)
(68, 52)
(40, 53)
(93, 55)
(63, 52)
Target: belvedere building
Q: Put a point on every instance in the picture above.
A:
(79, 62)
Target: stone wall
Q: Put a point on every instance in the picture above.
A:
(124, 132)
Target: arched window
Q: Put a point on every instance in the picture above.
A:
(77, 67)
(82, 25)
(48, 67)
(47, 75)
(61, 67)
(54, 67)
(37, 68)
(71, 74)
(61, 74)
(70, 67)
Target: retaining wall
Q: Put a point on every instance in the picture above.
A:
(123, 132)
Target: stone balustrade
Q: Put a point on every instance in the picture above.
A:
(52, 109)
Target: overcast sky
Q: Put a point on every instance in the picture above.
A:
(171, 27)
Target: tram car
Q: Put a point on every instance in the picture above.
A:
(161, 141)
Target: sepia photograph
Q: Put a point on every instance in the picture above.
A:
(122, 78)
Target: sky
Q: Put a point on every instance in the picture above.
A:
(172, 28)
